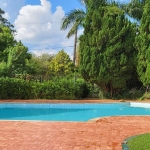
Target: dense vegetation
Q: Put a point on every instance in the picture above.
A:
(112, 56)
(107, 52)
(11, 88)
(114, 52)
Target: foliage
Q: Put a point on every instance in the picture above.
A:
(61, 64)
(143, 46)
(15, 62)
(140, 142)
(6, 40)
(145, 96)
(75, 19)
(107, 55)
(134, 8)
(60, 88)
(15, 89)
(4, 22)
(133, 94)
(38, 66)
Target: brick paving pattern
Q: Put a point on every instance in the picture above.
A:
(103, 134)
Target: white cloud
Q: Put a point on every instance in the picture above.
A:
(44, 51)
(37, 23)
(38, 27)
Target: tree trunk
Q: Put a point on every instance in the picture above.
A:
(75, 45)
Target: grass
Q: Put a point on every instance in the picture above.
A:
(141, 142)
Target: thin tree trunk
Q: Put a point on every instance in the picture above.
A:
(75, 45)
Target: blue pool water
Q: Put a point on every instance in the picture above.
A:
(67, 112)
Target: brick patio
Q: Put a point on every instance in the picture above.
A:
(104, 134)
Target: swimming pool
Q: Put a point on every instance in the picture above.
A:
(69, 112)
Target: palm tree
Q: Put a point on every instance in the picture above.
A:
(74, 19)
(134, 9)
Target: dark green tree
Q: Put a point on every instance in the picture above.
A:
(106, 48)
(75, 20)
(142, 44)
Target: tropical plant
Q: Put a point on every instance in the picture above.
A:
(74, 19)
(134, 8)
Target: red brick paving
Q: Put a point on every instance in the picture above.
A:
(104, 134)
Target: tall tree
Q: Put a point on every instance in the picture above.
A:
(74, 19)
(106, 47)
(142, 44)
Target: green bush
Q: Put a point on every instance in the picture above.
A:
(132, 94)
(61, 88)
(15, 89)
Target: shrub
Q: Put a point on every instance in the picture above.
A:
(15, 89)
(60, 88)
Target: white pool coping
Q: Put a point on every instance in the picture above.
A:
(142, 105)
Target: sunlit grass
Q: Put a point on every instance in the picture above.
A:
(141, 142)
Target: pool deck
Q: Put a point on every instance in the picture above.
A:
(102, 134)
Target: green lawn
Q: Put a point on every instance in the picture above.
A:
(141, 142)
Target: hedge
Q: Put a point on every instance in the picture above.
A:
(12, 88)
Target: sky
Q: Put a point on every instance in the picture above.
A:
(38, 23)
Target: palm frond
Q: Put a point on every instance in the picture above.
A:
(73, 29)
(83, 2)
(72, 17)
(134, 8)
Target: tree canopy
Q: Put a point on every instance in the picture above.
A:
(61, 64)
(142, 44)
(106, 48)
